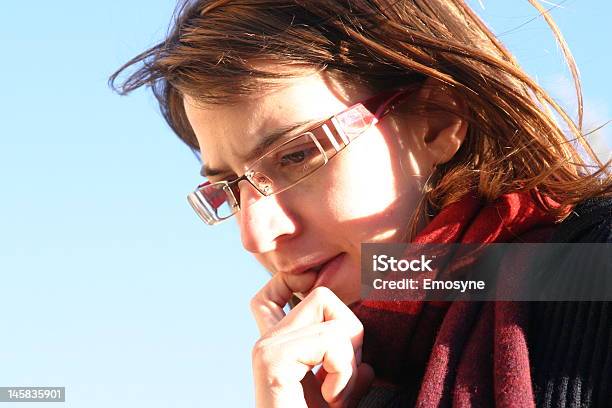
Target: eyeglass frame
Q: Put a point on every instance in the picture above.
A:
(386, 102)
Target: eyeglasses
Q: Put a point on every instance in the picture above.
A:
(294, 160)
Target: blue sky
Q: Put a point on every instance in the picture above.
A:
(111, 286)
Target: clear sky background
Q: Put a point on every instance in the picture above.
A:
(110, 285)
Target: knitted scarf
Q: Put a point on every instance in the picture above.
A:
(464, 354)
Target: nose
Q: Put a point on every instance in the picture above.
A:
(263, 221)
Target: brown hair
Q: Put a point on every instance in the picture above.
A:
(513, 143)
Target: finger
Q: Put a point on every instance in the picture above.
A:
(320, 375)
(285, 359)
(268, 303)
(323, 305)
(312, 390)
(336, 386)
(357, 387)
(341, 368)
(349, 397)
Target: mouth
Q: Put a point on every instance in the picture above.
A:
(303, 280)
(318, 268)
(326, 271)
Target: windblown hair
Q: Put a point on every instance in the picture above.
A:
(514, 141)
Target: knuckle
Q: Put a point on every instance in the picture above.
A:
(357, 325)
(262, 352)
(322, 292)
(256, 303)
(268, 362)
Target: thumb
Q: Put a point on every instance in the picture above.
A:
(365, 377)
(311, 385)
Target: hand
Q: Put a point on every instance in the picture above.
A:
(320, 330)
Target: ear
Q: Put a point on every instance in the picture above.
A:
(444, 120)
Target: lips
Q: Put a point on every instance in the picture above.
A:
(324, 272)
(328, 270)
(318, 268)
(309, 267)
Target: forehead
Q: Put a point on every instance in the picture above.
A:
(227, 133)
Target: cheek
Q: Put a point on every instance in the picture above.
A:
(364, 181)
(369, 193)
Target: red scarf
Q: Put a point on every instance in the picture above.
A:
(468, 354)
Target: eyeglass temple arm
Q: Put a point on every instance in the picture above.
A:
(385, 103)
(377, 106)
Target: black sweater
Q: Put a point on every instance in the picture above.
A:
(570, 342)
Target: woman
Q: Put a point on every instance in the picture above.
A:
(325, 124)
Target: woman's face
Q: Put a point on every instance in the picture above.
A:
(366, 193)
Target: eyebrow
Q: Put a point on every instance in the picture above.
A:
(259, 149)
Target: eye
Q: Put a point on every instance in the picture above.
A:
(297, 155)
